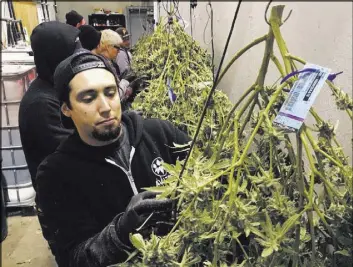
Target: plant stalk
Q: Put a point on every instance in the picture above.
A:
(239, 54)
(275, 22)
(300, 181)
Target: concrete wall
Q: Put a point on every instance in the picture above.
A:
(319, 32)
(86, 8)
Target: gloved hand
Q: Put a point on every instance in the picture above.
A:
(139, 209)
(128, 75)
(138, 112)
(124, 85)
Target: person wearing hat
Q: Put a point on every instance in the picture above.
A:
(74, 19)
(124, 58)
(40, 124)
(90, 190)
(90, 38)
(108, 43)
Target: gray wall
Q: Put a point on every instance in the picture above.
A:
(319, 32)
(86, 8)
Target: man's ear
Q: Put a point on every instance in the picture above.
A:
(98, 49)
(65, 110)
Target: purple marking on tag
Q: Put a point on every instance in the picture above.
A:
(333, 76)
(291, 116)
(298, 72)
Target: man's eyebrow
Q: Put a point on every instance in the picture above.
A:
(113, 86)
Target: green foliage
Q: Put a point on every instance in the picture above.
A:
(254, 199)
(174, 55)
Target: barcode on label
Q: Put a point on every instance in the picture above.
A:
(296, 92)
(292, 101)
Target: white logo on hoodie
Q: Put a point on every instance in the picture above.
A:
(158, 170)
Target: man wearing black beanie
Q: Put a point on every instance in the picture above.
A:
(74, 19)
(40, 124)
(89, 37)
(41, 129)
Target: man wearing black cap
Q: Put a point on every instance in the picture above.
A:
(74, 19)
(91, 189)
(124, 58)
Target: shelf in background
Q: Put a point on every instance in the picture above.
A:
(114, 20)
(111, 14)
(107, 26)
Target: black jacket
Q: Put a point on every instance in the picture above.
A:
(40, 124)
(80, 193)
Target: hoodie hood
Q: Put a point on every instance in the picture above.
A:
(75, 146)
(52, 42)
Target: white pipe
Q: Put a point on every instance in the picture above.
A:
(155, 13)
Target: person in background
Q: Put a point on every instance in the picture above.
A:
(124, 58)
(74, 19)
(40, 124)
(107, 43)
(110, 46)
(90, 38)
(91, 189)
(41, 127)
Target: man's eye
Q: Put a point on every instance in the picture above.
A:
(87, 99)
(111, 93)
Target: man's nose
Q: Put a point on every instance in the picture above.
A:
(104, 105)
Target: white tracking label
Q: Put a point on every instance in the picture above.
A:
(301, 97)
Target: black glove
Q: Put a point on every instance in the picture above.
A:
(138, 112)
(143, 206)
(128, 75)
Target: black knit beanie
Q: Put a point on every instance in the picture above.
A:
(73, 18)
(89, 37)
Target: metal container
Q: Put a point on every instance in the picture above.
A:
(18, 189)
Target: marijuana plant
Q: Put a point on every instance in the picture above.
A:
(253, 195)
(180, 79)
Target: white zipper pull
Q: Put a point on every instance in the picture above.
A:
(129, 174)
(132, 183)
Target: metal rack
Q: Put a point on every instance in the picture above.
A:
(14, 34)
(18, 186)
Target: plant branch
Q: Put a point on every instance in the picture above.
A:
(300, 181)
(278, 65)
(247, 119)
(239, 54)
(275, 22)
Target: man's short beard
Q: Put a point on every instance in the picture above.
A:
(105, 136)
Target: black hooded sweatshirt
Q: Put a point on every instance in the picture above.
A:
(81, 192)
(40, 124)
